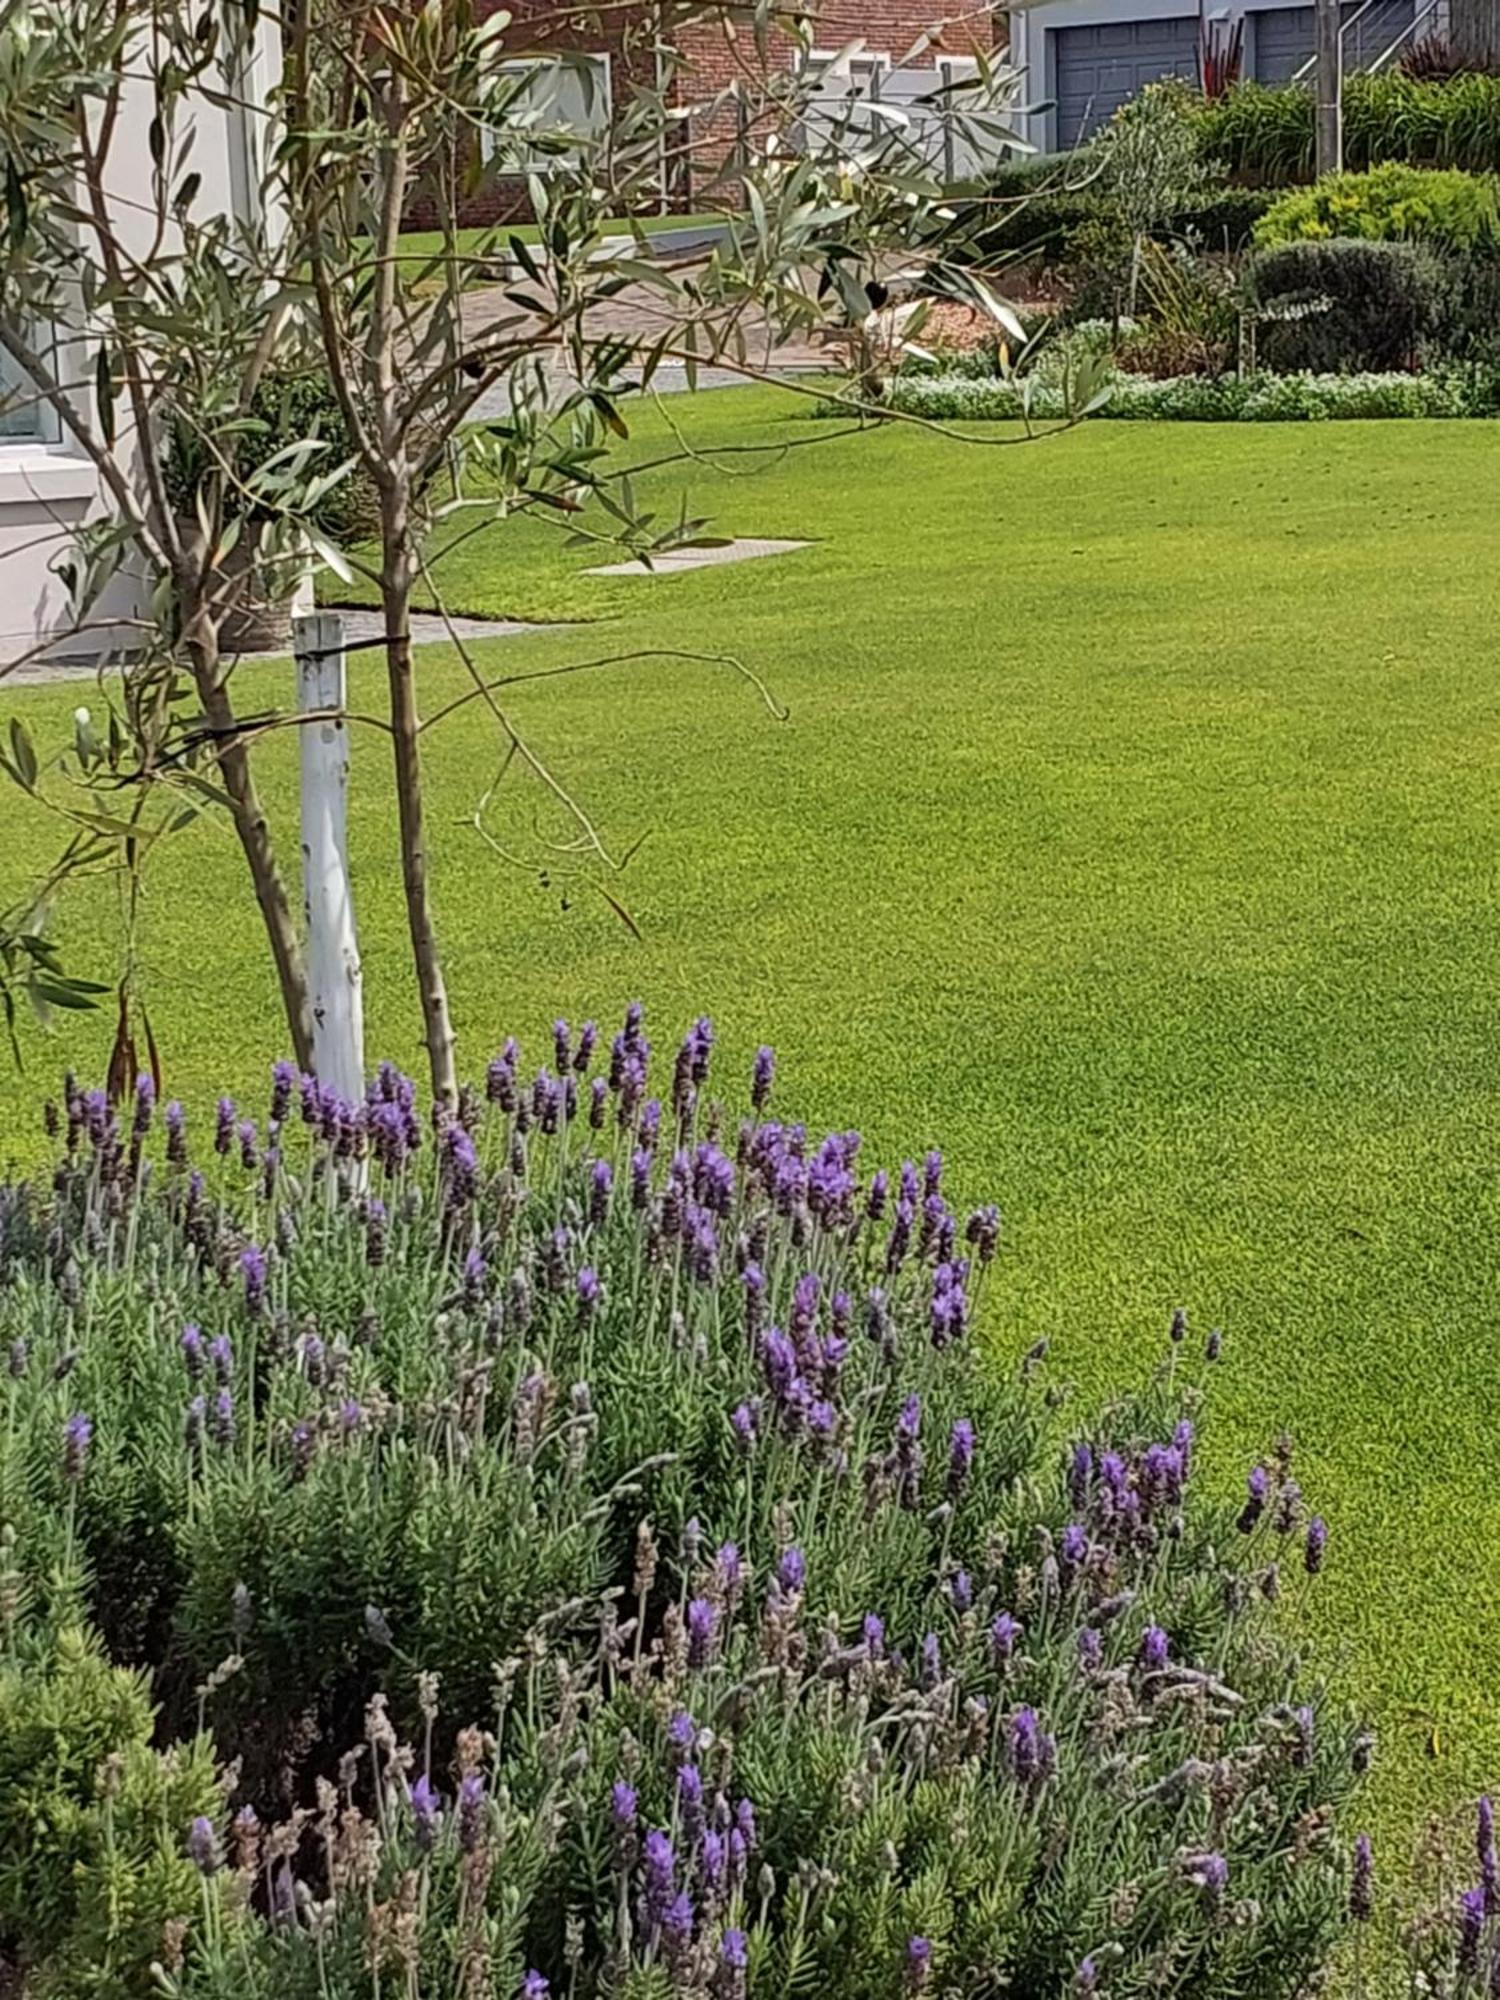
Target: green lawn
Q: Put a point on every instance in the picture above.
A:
(1133, 833)
(420, 244)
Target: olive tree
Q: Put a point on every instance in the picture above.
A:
(286, 387)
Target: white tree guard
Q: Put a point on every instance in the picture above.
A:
(332, 943)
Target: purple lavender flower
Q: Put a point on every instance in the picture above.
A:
(224, 1127)
(1315, 1545)
(713, 1859)
(879, 1194)
(253, 1272)
(949, 1311)
(1489, 1867)
(742, 1423)
(918, 1964)
(622, 1806)
(535, 1987)
(762, 1076)
(691, 1806)
(1155, 1650)
(961, 1590)
(702, 1631)
(427, 1812)
(1080, 1476)
(960, 1456)
(1090, 1648)
(1074, 1547)
(1362, 1881)
(734, 1951)
(203, 1846)
(1004, 1633)
(221, 1356)
(1086, 1978)
(682, 1731)
(791, 1571)
(1026, 1753)
(713, 1180)
(470, 1811)
(1209, 1874)
(78, 1434)
(589, 1292)
(1256, 1488)
(1470, 1930)
(983, 1231)
(744, 1825)
(872, 1632)
(284, 1079)
(460, 1167)
(658, 1875)
(223, 1417)
(193, 1351)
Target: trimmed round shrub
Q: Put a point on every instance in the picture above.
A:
(1349, 304)
(801, 1646)
(1453, 210)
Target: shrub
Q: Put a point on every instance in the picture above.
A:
(1452, 210)
(1041, 216)
(1264, 132)
(1451, 392)
(1348, 304)
(93, 1872)
(679, 1471)
(287, 408)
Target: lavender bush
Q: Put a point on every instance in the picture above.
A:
(797, 1647)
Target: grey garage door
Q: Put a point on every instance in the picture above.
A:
(1099, 69)
(1284, 36)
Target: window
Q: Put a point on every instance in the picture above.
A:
(554, 107)
(24, 418)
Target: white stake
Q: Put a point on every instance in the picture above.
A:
(332, 944)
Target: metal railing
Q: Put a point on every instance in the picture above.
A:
(1408, 29)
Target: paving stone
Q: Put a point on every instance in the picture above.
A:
(671, 561)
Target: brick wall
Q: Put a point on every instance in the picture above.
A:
(715, 59)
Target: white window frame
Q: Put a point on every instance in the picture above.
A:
(538, 161)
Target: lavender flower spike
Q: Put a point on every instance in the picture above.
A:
(203, 1846)
(78, 1434)
(1362, 1882)
(535, 1987)
(1316, 1544)
(918, 1964)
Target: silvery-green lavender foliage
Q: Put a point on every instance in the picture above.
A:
(799, 1647)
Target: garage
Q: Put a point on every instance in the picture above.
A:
(1100, 68)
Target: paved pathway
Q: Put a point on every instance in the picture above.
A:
(363, 630)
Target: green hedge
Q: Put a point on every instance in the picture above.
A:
(1264, 133)
(1040, 211)
(1257, 399)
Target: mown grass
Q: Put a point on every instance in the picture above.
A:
(1132, 833)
